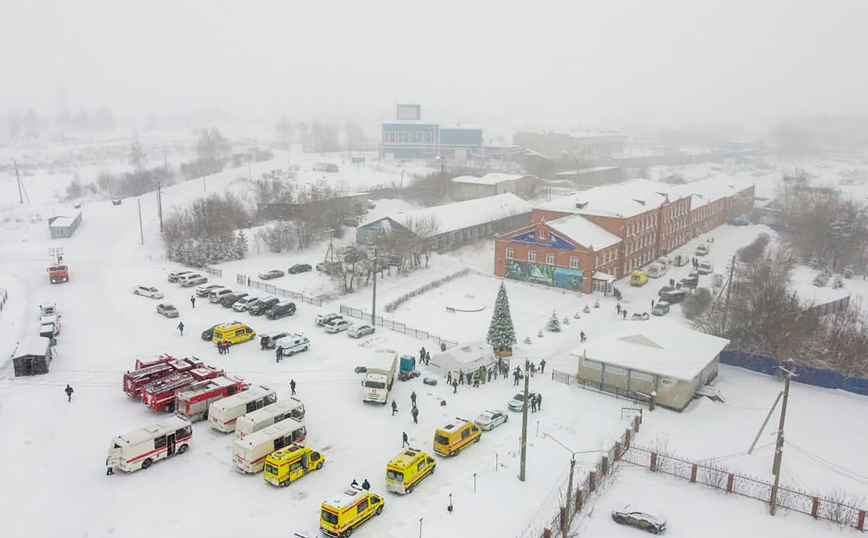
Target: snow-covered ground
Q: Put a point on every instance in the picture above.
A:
(59, 448)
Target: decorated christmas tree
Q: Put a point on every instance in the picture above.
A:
(501, 333)
(554, 324)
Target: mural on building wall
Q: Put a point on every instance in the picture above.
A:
(549, 275)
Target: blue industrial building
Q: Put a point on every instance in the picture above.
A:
(408, 137)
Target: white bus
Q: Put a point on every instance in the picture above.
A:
(223, 413)
(265, 417)
(140, 448)
(248, 454)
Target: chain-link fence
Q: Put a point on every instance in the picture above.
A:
(396, 326)
(268, 288)
(838, 509)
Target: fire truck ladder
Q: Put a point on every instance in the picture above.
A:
(169, 383)
(145, 372)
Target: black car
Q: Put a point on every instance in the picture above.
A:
(280, 310)
(262, 305)
(208, 334)
(299, 268)
(640, 520)
(674, 296)
(691, 282)
(666, 289)
(232, 298)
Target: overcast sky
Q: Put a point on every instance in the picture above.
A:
(513, 64)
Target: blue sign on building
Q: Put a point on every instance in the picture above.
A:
(554, 241)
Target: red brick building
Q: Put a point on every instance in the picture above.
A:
(605, 233)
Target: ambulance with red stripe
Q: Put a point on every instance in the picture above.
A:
(140, 448)
(248, 454)
(223, 413)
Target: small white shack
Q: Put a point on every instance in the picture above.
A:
(63, 226)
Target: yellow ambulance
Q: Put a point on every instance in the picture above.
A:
(291, 463)
(638, 278)
(234, 333)
(455, 437)
(407, 469)
(342, 513)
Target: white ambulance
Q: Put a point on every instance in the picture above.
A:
(140, 448)
(223, 413)
(248, 454)
(265, 417)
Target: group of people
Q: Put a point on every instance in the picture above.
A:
(424, 356)
(365, 485)
(414, 411)
(620, 310)
(535, 403)
(278, 353)
(532, 369)
(223, 347)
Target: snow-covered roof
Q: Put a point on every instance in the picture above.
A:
(467, 358)
(149, 432)
(460, 215)
(660, 347)
(33, 345)
(62, 222)
(580, 229)
(587, 170)
(488, 179)
(622, 200)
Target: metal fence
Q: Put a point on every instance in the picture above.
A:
(214, 272)
(393, 305)
(715, 475)
(396, 326)
(268, 288)
(563, 377)
(3, 296)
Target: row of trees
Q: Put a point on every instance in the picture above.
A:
(208, 231)
(28, 123)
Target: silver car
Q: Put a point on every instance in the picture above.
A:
(147, 291)
(168, 310)
(488, 420)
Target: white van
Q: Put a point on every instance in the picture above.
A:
(265, 417)
(193, 279)
(656, 270)
(248, 454)
(223, 413)
(706, 267)
(140, 448)
(294, 343)
(703, 249)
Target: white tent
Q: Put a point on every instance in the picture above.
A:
(467, 358)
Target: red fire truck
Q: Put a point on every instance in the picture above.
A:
(193, 401)
(149, 371)
(160, 394)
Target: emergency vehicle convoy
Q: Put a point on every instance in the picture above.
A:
(407, 469)
(248, 454)
(455, 437)
(152, 370)
(140, 448)
(159, 395)
(268, 415)
(223, 414)
(194, 401)
(291, 463)
(342, 513)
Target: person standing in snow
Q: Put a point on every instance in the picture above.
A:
(460, 377)
(415, 413)
(542, 366)
(278, 353)
(454, 386)
(618, 308)
(516, 374)
(292, 386)
(68, 390)
(533, 404)
(193, 301)
(427, 358)
(181, 328)
(624, 313)
(366, 485)
(226, 346)
(652, 303)
(448, 378)
(582, 336)
(394, 408)
(405, 440)
(539, 402)
(413, 398)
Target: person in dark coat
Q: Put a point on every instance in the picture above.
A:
(489, 376)
(460, 377)
(618, 308)
(354, 483)
(516, 375)
(533, 404)
(181, 328)
(292, 386)
(652, 303)
(278, 353)
(539, 402)
(624, 313)
(415, 413)
(542, 366)
(448, 378)
(442, 347)
(68, 390)
(226, 346)
(193, 301)
(406, 441)
(582, 336)
(262, 343)
(366, 485)
(413, 398)
(469, 377)
(454, 386)
(394, 408)
(427, 358)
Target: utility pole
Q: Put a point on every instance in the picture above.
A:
(779, 447)
(160, 204)
(141, 230)
(565, 521)
(728, 291)
(374, 300)
(18, 180)
(521, 472)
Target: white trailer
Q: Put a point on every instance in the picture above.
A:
(379, 375)
(140, 448)
(268, 415)
(223, 413)
(248, 454)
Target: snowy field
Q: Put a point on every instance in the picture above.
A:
(59, 448)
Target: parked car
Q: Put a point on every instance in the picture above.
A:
(208, 334)
(205, 289)
(217, 295)
(243, 304)
(153, 293)
(329, 268)
(168, 310)
(518, 401)
(674, 296)
(322, 319)
(640, 316)
(299, 268)
(703, 249)
(488, 420)
(360, 330)
(337, 325)
(274, 273)
(666, 289)
(192, 279)
(262, 305)
(660, 309)
(174, 277)
(232, 298)
(691, 282)
(706, 267)
(281, 310)
(640, 520)
(271, 340)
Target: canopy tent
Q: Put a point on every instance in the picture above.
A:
(467, 358)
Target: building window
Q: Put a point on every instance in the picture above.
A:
(542, 235)
(429, 138)
(574, 262)
(531, 256)
(550, 259)
(510, 253)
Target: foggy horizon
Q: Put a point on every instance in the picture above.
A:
(505, 66)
